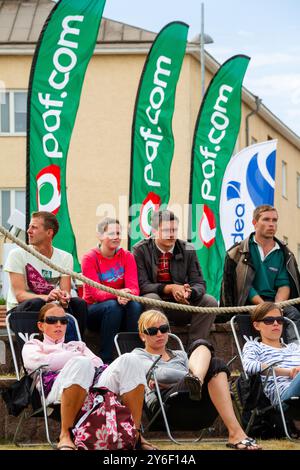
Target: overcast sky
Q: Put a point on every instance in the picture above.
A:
(266, 30)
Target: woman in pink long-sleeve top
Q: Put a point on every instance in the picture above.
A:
(74, 364)
(114, 267)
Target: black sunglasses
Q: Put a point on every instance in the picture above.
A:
(153, 330)
(271, 320)
(51, 320)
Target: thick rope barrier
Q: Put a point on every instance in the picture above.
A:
(146, 301)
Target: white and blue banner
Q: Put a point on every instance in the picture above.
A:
(248, 182)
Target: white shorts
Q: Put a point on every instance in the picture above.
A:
(77, 371)
(124, 374)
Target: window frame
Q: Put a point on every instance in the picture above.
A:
(11, 107)
(298, 189)
(12, 200)
(284, 179)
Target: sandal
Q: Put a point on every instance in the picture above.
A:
(65, 447)
(194, 386)
(143, 444)
(247, 443)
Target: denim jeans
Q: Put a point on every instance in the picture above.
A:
(109, 317)
(293, 389)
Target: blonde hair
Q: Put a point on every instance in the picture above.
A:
(104, 223)
(149, 317)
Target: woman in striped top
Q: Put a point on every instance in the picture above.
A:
(267, 319)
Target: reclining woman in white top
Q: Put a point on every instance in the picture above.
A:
(75, 364)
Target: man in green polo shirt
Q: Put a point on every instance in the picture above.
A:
(261, 267)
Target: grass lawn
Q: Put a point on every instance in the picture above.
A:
(205, 444)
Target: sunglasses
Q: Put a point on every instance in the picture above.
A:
(153, 330)
(53, 320)
(271, 320)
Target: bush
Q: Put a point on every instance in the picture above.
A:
(2, 301)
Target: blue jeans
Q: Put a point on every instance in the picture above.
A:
(109, 318)
(293, 389)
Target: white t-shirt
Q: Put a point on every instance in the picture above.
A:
(19, 258)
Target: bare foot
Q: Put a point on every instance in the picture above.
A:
(145, 445)
(142, 444)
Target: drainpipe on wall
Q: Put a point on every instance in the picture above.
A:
(255, 111)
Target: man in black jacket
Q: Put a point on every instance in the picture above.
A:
(168, 269)
(261, 267)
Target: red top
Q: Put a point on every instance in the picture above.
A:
(117, 272)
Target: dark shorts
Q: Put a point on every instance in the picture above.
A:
(216, 365)
(182, 408)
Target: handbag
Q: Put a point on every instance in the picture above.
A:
(19, 395)
(104, 423)
(48, 380)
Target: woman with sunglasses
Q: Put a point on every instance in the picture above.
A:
(267, 319)
(204, 376)
(74, 366)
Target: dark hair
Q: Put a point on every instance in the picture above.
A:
(50, 221)
(162, 216)
(102, 226)
(259, 312)
(260, 209)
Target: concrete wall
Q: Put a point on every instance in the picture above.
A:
(99, 156)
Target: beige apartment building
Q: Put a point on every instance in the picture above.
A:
(98, 165)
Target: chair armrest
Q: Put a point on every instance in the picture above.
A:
(150, 371)
(271, 366)
(38, 369)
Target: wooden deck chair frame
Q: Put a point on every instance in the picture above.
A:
(133, 342)
(235, 320)
(23, 335)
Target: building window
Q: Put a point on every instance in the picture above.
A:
(285, 240)
(11, 199)
(298, 190)
(13, 112)
(284, 178)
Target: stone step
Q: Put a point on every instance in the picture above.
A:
(2, 316)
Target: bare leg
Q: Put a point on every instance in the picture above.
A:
(71, 401)
(220, 396)
(134, 400)
(199, 362)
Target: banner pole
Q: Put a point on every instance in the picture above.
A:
(202, 58)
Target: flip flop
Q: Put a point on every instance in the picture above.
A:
(66, 447)
(246, 443)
